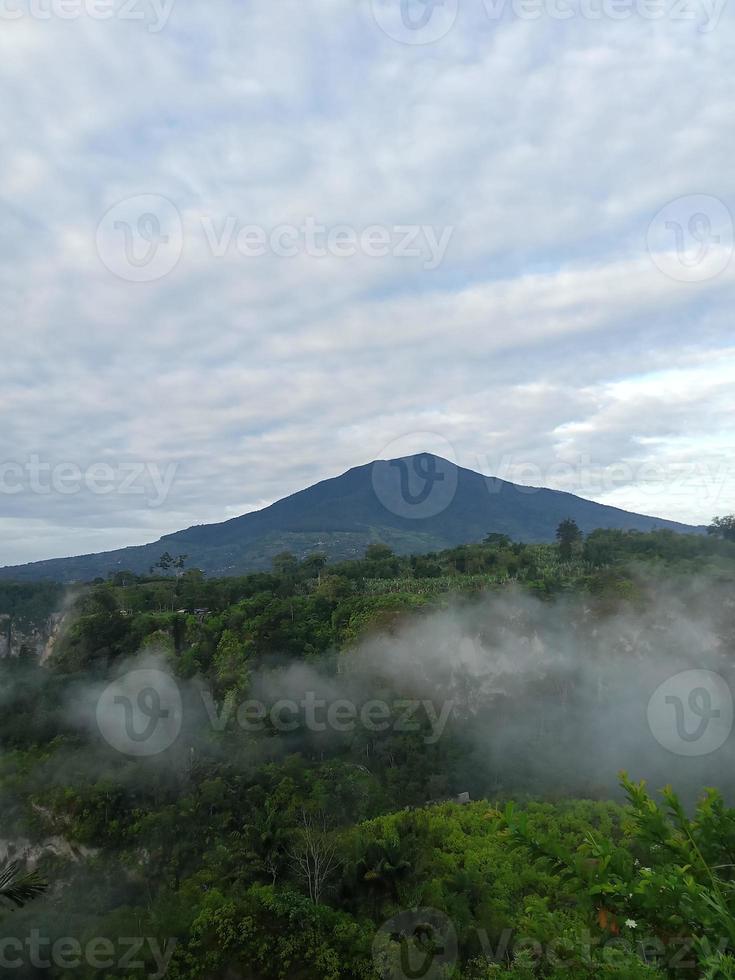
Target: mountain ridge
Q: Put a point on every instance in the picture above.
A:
(416, 503)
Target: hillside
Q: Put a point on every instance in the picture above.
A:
(312, 772)
(417, 504)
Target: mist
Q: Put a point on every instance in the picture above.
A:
(527, 696)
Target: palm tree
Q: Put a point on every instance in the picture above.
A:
(16, 888)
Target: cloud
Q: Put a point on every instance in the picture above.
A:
(546, 332)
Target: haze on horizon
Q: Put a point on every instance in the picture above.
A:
(205, 299)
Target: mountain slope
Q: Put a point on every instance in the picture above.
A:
(416, 504)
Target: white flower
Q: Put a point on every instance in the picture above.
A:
(631, 923)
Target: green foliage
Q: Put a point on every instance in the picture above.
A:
(30, 605)
(723, 527)
(207, 843)
(16, 888)
(669, 877)
(569, 537)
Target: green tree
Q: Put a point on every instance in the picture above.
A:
(313, 564)
(285, 563)
(230, 661)
(569, 536)
(497, 540)
(378, 552)
(723, 527)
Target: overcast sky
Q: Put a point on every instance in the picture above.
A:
(205, 297)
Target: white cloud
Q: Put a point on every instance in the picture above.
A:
(546, 333)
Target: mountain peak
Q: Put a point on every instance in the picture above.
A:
(416, 503)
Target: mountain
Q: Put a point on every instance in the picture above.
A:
(415, 504)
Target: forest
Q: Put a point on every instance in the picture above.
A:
(466, 764)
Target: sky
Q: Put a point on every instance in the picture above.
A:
(247, 246)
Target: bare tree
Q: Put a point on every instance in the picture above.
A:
(270, 863)
(314, 858)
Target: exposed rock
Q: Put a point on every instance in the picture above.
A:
(30, 853)
(39, 639)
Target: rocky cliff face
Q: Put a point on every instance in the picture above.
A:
(29, 852)
(21, 637)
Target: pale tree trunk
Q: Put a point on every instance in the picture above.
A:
(314, 859)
